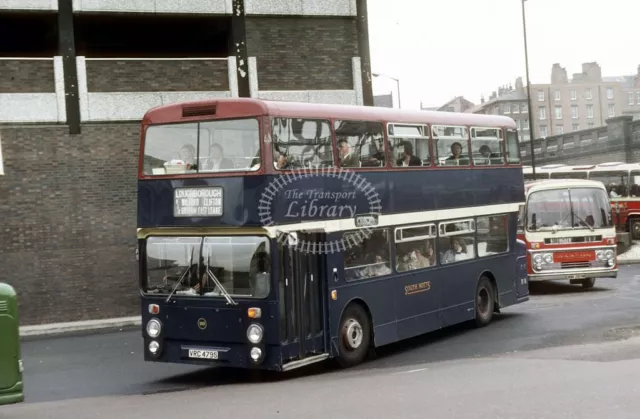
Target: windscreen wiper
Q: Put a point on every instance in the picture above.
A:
(182, 277)
(583, 221)
(224, 292)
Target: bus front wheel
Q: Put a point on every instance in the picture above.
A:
(485, 301)
(588, 283)
(354, 336)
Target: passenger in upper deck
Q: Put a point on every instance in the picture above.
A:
(347, 158)
(188, 156)
(217, 161)
(282, 162)
(408, 159)
(456, 150)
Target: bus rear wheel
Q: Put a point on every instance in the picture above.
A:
(354, 336)
(485, 302)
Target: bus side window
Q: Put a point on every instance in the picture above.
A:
(521, 220)
(409, 145)
(367, 257)
(513, 148)
(365, 140)
(487, 146)
(451, 145)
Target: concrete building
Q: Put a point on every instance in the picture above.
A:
(568, 104)
(76, 76)
(383, 101)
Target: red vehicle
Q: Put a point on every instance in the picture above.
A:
(622, 181)
(569, 232)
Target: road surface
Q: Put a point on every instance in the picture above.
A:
(557, 315)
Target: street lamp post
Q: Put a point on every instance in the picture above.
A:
(394, 79)
(526, 63)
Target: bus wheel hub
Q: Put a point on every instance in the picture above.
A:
(353, 334)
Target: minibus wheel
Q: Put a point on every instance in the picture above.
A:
(485, 300)
(354, 337)
(588, 283)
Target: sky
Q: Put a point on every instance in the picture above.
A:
(440, 49)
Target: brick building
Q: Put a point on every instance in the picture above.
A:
(76, 76)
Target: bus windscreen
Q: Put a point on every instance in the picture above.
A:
(202, 147)
(568, 209)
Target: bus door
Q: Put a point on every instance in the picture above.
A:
(304, 272)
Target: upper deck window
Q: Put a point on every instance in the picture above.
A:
(513, 147)
(360, 143)
(451, 145)
(202, 147)
(409, 145)
(486, 145)
(299, 143)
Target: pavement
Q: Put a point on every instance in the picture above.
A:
(109, 365)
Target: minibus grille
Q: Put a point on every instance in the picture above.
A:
(4, 306)
(575, 265)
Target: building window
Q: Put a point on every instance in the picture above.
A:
(558, 112)
(515, 108)
(587, 94)
(556, 95)
(518, 124)
(609, 93)
(525, 125)
(612, 111)
(590, 125)
(574, 94)
(638, 98)
(589, 111)
(559, 129)
(507, 108)
(543, 131)
(525, 108)
(540, 95)
(630, 98)
(576, 127)
(543, 113)
(368, 259)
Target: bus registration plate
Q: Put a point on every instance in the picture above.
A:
(202, 354)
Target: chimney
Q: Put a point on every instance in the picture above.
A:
(519, 84)
(592, 71)
(482, 98)
(558, 74)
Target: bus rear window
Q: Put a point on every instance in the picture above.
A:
(202, 147)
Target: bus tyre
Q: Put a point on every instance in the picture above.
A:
(588, 283)
(354, 337)
(485, 301)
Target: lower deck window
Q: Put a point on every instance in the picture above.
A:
(208, 266)
(367, 254)
(493, 235)
(456, 241)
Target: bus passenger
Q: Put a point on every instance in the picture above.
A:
(456, 150)
(282, 162)
(408, 159)
(217, 161)
(431, 254)
(188, 156)
(379, 268)
(347, 158)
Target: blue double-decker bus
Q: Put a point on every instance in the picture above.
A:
(273, 235)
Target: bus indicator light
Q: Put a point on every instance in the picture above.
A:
(154, 308)
(254, 313)
(334, 295)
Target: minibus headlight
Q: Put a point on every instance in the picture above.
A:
(154, 347)
(154, 328)
(601, 255)
(254, 333)
(537, 258)
(609, 254)
(548, 258)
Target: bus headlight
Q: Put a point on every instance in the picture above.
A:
(154, 328)
(256, 353)
(254, 333)
(537, 258)
(154, 347)
(609, 254)
(548, 258)
(601, 255)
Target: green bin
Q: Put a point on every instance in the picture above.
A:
(11, 386)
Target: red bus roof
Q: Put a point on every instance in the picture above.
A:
(246, 107)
